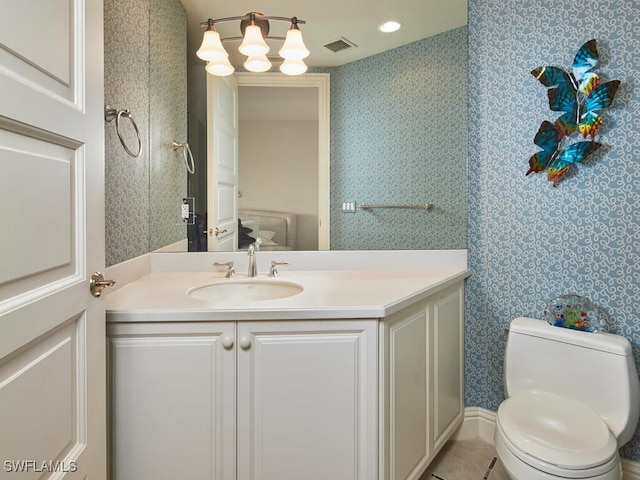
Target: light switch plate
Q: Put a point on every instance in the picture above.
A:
(349, 207)
(188, 210)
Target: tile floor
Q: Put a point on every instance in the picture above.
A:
(466, 460)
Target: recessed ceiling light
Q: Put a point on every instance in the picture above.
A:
(388, 27)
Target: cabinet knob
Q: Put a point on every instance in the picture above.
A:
(227, 342)
(245, 343)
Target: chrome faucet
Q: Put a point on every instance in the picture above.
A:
(253, 269)
(231, 273)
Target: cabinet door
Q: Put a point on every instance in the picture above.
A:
(307, 400)
(172, 401)
(406, 393)
(422, 394)
(448, 364)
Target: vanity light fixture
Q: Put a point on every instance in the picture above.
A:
(254, 27)
(389, 27)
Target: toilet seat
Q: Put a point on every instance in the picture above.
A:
(555, 434)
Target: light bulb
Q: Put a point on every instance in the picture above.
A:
(293, 66)
(257, 63)
(253, 43)
(294, 47)
(220, 68)
(211, 48)
(390, 26)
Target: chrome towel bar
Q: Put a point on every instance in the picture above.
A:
(426, 206)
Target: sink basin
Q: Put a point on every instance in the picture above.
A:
(245, 290)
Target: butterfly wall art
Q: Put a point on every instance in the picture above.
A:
(580, 95)
(556, 159)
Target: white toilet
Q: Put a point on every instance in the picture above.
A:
(572, 401)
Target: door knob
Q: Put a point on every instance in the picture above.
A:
(217, 231)
(98, 283)
(245, 343)
(227, 342)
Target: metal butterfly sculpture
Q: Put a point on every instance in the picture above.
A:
(554, 159)
(580, 95)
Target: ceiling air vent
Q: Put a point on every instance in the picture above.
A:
(340, 44)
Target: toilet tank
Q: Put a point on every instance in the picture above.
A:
(595, 368)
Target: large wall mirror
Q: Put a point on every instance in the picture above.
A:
(397, 122)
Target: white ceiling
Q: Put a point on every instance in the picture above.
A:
(328, 20)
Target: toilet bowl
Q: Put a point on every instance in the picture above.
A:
(572, 401)
(543, 435)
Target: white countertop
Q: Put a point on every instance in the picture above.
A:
(162, 296)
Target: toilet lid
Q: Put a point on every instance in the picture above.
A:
(556, 430)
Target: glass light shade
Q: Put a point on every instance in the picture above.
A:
(257, 63)
(220, 68)
(211, 48)
(253, 44)
(294, 47)
(293, 66)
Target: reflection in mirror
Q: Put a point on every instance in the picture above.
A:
(283, 167)
(145, 72)
(399, 128)
(398, 136)
(278, 160)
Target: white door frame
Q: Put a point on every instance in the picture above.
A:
(321, 82)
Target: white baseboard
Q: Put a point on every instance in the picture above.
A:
(478, 423)
(481, 423)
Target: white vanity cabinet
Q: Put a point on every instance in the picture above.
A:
(359, 399)
(224, 400)
(422, 382)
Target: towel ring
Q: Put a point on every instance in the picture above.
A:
(191, 168)
(111, 113)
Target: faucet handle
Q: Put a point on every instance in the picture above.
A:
(273, 271)
(231, 273)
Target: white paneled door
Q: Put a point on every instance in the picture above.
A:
(222, 163)
(52, 339)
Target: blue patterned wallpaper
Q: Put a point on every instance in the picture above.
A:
(399, 136)
(145, 53)
(126, 86)
(529, 241)
(168, 115)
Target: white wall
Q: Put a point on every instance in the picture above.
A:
(278, 166)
